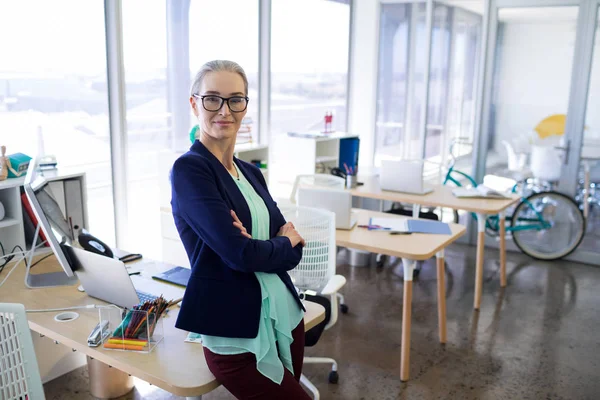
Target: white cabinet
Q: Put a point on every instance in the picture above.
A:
(308, 155)
(11, 226)
(12, 231)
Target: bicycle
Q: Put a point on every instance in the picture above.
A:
(546, 225)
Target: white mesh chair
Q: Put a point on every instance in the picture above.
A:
(320, 180)
(316, 272)
(19, 372)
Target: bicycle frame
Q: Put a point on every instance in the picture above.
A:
(492, 222)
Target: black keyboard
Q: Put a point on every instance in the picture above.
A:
(144, 297)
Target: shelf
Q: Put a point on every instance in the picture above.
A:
(240, 148)
(12, 182)
(324, 159)
(6, 222)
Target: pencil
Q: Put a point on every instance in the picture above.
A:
(123, 346)
(133, 342)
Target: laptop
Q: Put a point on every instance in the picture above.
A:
(403, 176)
(335, 200)
(107, 279)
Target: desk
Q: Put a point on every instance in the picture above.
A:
(442, 197)
(410, 248)
(174, 365)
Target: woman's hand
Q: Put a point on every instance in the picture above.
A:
(238, 224)
(288, 230)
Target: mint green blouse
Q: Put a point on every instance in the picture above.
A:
(279, 313)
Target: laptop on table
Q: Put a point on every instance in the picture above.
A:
(107, 279)
(404, 176)
(335, 200)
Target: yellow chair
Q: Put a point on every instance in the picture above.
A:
(553, 125)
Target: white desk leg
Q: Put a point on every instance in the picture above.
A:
(479, 265)
(441, 282)
(416, 210)
(409, 266)
(586, 187)
(502, 219)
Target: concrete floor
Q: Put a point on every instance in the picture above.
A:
(536, 339)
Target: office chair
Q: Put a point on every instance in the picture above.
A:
(321, 180)
(315, 276)
(17, 356)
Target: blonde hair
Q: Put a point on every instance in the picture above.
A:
(215, 66)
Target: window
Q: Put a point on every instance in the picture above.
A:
(455, 42)
(309, 64)
(147, 119)
(53, 87)
(218, 33)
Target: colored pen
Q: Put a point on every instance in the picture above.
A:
(373, 227)
(134, 273)
(400, 233)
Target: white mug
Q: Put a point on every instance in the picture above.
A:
(2, 212)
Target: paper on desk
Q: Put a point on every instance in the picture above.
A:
(411, 225)
(193, 338)
(389, 224)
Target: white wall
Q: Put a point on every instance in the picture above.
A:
(534, 76)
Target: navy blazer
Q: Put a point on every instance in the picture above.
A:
(223, 296)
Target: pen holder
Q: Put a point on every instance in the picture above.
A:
(132, 330)
(351, 181)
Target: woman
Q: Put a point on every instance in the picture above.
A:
(239, 296)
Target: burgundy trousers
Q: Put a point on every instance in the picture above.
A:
(239, 375)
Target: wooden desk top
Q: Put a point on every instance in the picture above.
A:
(174, 365)
(441, 197)
(416, 246)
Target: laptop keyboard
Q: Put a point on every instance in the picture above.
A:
(144, 297)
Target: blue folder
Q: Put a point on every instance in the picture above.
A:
(420, 226)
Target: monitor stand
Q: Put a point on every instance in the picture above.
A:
(47, 279)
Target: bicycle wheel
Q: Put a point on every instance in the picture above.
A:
(547, 225)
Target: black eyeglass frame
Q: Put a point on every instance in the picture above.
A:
(223, 100)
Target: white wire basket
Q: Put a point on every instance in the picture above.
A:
(318, 262)
(19, 372)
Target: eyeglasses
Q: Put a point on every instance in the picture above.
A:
(214, 103)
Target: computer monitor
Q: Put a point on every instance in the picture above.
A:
(53, 223)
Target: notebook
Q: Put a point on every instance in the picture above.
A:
(480, 191)
(178, 275)
(410, 225)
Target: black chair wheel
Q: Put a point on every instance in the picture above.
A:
(333, 377)
(344, 308)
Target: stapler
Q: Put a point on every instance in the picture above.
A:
(99, 334)
(47, 162)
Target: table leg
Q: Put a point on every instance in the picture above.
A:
(409, 266)
(586, 186)
(194, 398)
(502, 218)
(441, 283)
(479, 265)
(416, 209)
(107, 382)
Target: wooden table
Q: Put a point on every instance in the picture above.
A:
(411, 248)
(442, 197)
(174, 365)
